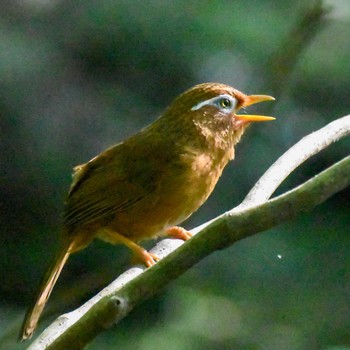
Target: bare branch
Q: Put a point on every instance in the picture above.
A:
(307, 147)
(77, 328)
(294, 157)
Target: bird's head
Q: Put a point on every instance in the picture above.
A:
(212, 109)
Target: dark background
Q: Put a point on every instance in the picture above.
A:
(79, 76)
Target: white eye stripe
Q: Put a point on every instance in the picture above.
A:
(212, 102)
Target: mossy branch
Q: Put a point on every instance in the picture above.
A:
(75, 329)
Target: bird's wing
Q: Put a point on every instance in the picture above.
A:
(109, 183)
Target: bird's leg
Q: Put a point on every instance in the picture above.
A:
(179, 233)
(139, 252)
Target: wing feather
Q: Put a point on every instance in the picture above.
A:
(106, 185)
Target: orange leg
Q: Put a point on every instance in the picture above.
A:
(140, 253)
(179, 233)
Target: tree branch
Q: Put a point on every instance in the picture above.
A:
(282, 62)
(77, 328)
(307, 147)
(294, 157)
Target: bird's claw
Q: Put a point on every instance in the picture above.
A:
(179, 233)
(149, 259)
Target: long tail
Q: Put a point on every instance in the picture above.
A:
(34, 312)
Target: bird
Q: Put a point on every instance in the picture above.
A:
(144, 187)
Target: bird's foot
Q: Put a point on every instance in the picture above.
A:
(147, 258)
(140, 254)
(179, 233)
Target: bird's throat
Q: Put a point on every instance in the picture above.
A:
(224, 137)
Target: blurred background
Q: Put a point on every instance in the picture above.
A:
(79, 76)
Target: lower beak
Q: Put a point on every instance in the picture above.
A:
(250, 100)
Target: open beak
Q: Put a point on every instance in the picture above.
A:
(250, 100)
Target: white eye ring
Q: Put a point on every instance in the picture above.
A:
(219, 102)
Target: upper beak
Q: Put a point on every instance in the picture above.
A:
(250, 100)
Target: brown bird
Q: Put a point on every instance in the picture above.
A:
(141, 188)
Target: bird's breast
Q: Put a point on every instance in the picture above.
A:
(186, 192)
(205, 170)
(184, 187)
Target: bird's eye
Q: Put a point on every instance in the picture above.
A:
(225, 103)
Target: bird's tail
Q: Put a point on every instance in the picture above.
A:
(34, 312)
